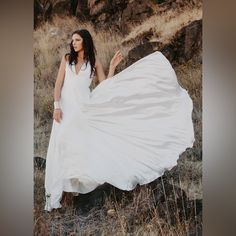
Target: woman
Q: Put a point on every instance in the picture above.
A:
(80, 53)
(127, 131)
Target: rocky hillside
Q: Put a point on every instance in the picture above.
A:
(119, 15)
(171, 26)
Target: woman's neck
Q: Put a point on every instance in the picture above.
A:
(80, 55)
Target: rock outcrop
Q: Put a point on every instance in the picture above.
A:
(186, 44)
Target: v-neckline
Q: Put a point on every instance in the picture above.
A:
(79, 68)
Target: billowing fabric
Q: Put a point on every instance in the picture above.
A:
(127, 131)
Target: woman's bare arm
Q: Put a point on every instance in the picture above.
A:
(60, 79)
(57, 114)
(114, 62)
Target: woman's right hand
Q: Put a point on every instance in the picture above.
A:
(116, 59)
(57, 115)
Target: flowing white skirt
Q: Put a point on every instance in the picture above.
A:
(132, 128)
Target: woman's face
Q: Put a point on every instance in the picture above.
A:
(77, 42)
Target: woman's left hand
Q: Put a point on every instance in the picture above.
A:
(116, 59)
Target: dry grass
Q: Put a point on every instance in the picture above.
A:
(137, 214)
(51, 42)
(164, 25)
(190, 78)
(41, 137)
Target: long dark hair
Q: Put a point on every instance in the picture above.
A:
(89, 49)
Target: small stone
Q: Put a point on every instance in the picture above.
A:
(111, 212)
(149, 226)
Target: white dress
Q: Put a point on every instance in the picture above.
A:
(127, 131)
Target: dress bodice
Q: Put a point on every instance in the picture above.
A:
(75, 89)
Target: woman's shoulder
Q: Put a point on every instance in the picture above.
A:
(65, 60)
(66, 57)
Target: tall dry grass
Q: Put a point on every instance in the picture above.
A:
(135, 214)
(165, 25)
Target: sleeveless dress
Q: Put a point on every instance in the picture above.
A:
(127, 131)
